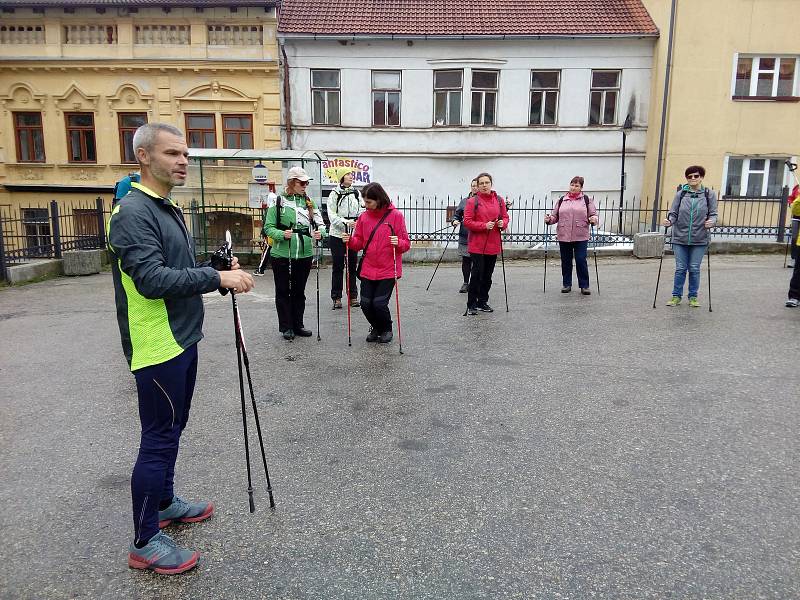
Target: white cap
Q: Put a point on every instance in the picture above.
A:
(298, 173)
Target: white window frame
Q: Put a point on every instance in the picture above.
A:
(544, 92)
(756, 69)
(447, 91)
(604, 91)
(747, 171)
(482, 92)
(386, 91)
(327, 92)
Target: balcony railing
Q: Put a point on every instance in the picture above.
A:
(21, 34)
(235, 35)
(159, 35)
(90, 34)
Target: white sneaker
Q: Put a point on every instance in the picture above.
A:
(790, 264)
(792, 303)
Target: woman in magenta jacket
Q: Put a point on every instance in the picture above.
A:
(485, 216)
(574, 213)
(381, 233)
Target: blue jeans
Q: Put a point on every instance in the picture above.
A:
(579, 249)
(687, 258)
(165, 396)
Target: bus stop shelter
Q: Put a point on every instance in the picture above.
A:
(221, 193)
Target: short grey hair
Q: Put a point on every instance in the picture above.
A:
(145, 136)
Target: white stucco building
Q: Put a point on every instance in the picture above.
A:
(534, 99)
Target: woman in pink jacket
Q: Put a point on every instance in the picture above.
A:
(381, 233)
(485, 216)
(574, 213)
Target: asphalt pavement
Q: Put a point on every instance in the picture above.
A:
(573, 447)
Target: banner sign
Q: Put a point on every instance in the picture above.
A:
(333, 167)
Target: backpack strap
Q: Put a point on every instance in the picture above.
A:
(558, 205)
(278, 204)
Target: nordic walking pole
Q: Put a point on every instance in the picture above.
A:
(708, 262)
(596, 274)
(440, 261)
(347, 278)
(660, 262)
(317, 252)
(225, 256)
(319, 259)
(396, 292)
(503, 263)
(546, 246)
(244, 358)
(502, 256)
(241, 394)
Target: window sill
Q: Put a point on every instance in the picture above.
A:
(765, 98)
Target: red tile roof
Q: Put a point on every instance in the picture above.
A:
(134, 3)
(466, 17)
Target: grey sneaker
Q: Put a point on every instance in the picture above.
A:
(162, 555)
(464, 288)
(184, 512)
(792, 303)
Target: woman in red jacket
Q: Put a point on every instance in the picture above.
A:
(574, 213)
(485, 216)
(381, 233)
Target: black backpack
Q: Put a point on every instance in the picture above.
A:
(684, 192)
(339, 196)
(585, 199)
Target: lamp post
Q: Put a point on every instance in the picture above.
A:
(626, 129)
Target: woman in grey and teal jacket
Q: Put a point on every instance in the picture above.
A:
(344, 207)
(295, 225)
(463, 236)
(693, 213)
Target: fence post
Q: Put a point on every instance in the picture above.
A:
(3, 272)
(101, 224)
(782, 213)
(54, 224)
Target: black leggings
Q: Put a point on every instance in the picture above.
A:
(480, 279)
(375, 296)
(466, 267)
(337, 253)
(290, 298)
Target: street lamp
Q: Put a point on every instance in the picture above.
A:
(626, 129)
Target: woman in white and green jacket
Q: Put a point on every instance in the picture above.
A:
(295, 225)
(344, 207)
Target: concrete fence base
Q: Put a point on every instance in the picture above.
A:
(83, 262)
(648, 245)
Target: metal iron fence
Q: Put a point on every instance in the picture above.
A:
(428, 220)
(46, 231)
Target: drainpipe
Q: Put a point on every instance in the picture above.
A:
(287, 97)
(659, 165)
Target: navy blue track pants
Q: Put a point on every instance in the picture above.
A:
(165, 396)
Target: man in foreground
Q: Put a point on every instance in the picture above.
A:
(158, 288)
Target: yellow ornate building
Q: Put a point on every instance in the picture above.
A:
(733, 100)
(77, 77)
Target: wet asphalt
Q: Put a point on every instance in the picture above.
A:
(573, 447)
